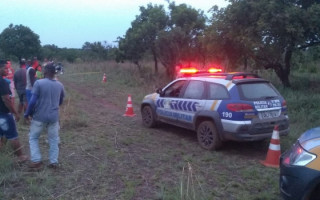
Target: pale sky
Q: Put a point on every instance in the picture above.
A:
(71, 23)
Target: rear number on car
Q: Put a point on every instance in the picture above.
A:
(269, 114)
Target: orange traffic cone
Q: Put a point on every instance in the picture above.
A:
(129, 109)
(273, 155)
(104, 79)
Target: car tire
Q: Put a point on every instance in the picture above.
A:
(148, 118)
(208, 136)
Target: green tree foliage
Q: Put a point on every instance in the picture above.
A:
(19, 41)
(265, 32)
(50, 51)
(97, 51)
(181, 41)
(53, 52)
(130, 47)
(142, 34)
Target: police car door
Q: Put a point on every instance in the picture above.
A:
(192, 101)
(166, 104)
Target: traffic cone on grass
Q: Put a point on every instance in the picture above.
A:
(129, 109)
(273, 155)
(104, 79)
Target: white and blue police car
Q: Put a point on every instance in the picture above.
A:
(219, 107)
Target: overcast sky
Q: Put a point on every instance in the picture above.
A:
(71, 23)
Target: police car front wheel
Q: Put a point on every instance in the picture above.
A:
(208, 137)
(148, 117)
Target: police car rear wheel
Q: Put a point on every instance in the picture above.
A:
(208, 137)
(148, 117)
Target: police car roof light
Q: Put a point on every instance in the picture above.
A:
(189, 70)
(214, 70)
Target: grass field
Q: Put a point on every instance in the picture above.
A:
(107, 156)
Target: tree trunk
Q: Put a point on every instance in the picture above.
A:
(170, 70)
(283, 70)
(245, 64)
(287, 62)
(138, 65)
(285, 80)
(155, 59)
(283, 74)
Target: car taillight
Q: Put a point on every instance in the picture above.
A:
(284, 104)
(297, 156)
(239, 107)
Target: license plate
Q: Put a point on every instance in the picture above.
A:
(269, 114)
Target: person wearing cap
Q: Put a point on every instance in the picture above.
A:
(19, 79)
(43, 108)
(7, 121)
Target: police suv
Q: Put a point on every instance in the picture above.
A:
(218, 106)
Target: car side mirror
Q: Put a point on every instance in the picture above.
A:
(159, 91)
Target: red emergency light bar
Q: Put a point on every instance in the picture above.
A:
(194, 70)
(189, 70)
(214, 70)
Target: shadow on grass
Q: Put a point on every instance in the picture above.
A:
(254, 149)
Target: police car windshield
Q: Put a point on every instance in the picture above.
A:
(257, 91)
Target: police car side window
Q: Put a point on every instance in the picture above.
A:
(174, 90)
(195, 90)
(217, 91)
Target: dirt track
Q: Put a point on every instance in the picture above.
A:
(107, 156)
(115, 157)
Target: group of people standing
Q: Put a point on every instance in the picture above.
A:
(40, 96)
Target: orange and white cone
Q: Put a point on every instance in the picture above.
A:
(104, 79)
(129, 109)
(273, 155)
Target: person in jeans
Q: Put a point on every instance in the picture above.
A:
(47, 96)
(19, 79)
(7, 123)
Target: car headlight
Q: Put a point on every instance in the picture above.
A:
(297, 156)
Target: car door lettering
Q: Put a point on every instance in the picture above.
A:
(267, 104)
(175, 115)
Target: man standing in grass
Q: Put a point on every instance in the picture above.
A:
(47, 96)
(30, 79)
(10, 77)
(20, 85)
(7, 123)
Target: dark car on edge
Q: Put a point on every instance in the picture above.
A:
(300, 168)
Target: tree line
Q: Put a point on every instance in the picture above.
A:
(18, 41)
(264, 34)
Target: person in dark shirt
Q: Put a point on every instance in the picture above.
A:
(7, 121)
(20, 85)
